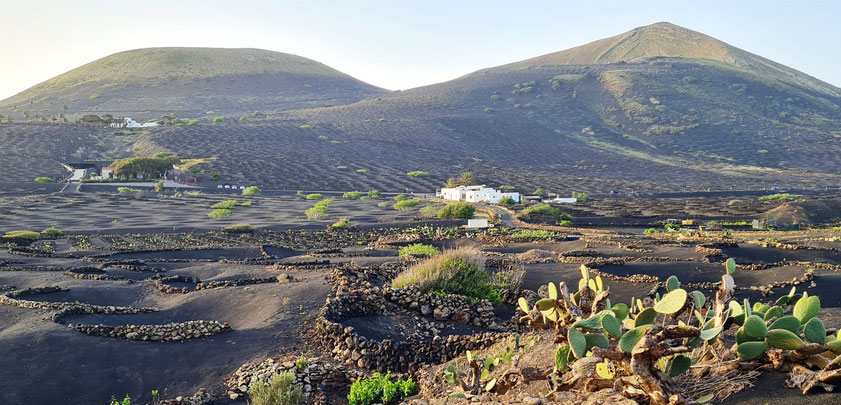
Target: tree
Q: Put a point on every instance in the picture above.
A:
(452, 182)
(507, 201)
(539, 192)
(466, 179)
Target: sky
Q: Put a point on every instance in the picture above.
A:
(398, 44)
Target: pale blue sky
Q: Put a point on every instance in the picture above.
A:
(397, 44)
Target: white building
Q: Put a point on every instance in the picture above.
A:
(475, 194)
(477, 223)
(560, 200)
(130, 123)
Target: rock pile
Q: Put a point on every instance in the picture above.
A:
(171, 332)
(310, 374)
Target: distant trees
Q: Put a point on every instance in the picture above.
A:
(465, 179)
(145, 167)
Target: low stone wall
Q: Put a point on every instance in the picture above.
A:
(201, 397)
(281, 278)
(171, 332)
(309, 375)
(160, 283)
(453, 307)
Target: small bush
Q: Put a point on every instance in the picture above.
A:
(225, 204)
(159, 187)
(21, 237)
(547, 209)
(418, 174)
(280, 390)
(406, 205)
(419, 249)
(218, 120)
(242, 228)
(315, 196)
(375, 194)
(380, 389)
(221, 213)
(52, 233)
(253, 190)
(44, 180)
(382, 204)
(457, 210)
(507, 201)
(532, 234)
(319, 210)
(430, 211)
(581, 197)
(352, 195)
(343, 222)
(127, 190)
(506, 188)
(400, 197)
(781, 197)
(305, 127)
(362, 171)
(162, 155)
(460, 271)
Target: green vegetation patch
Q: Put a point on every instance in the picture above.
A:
(457, 210)
(418, 174)
(127, 190)
(781, 197)
(319, 210)
(225, 204)
(343, 222)
(52, 233)
(44, 180)
(279, 390)
(405, 205)
(460, 271)
(253, 190)
(315, 196)
(21, 237)
(222, 213)
(419, 249)
(351, 195)
(380, 389)
(362, 171)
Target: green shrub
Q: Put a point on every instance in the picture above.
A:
(335, 142)
(52, 233)
(44, 180)
(315, 196)
(351, 195)
(380, 389)
(21, 237)
(225, 204)
(126, 190)
(162, 155)
(507, 201)
(506, 188)
(362, 171)
(400, 197)
(375, 194)
(581, 197)
(532, 234)
(305, 127)
(253, 190)
(159, 187)
(219, 119)
(221, 213)
(125, 401)
(430, 211)
(280, 390)
(419, 249)
(457, 210)
(781, 197)
(242, 228)
(418, 174)
(343, 222)
(319, 210)
(539, 191)
(406, 205)
(546, 209)
(382, 204)
(460, 271)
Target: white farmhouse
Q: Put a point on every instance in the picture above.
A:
(130, 123)
(560, 200)
(475, 194)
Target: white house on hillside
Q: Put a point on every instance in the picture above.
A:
(475, 194)
(130, 123)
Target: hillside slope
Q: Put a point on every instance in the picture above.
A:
(189, 82)
(657, 109)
